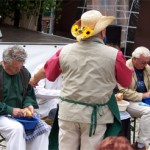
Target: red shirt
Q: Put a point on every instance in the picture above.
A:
(122, 72)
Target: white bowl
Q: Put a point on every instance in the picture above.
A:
(122, 105)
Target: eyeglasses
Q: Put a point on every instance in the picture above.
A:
(143, 62)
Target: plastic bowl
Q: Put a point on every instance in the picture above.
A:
(122, 105)
(146, 100)
(28, 123)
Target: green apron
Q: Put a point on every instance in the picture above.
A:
(53, 137)
(113, 129)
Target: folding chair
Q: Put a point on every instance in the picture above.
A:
(133, 129)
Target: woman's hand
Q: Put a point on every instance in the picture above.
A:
(17, 112)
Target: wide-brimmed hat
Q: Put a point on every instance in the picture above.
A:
(91, 23)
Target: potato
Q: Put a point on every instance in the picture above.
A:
(119, 96)
(27, 112)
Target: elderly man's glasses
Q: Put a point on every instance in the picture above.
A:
(143, 62)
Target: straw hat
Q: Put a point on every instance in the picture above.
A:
(91, 23)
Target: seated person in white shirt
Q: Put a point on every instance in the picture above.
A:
(47, 94)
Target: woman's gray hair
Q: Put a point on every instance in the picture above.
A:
(14, 53)
(141, 51)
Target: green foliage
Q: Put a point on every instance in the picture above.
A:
(48, 5)
(28, 7)
(6, 8)
(52, 5)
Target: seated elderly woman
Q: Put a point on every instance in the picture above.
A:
(17, 105)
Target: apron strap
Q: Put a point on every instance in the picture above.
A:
(96, 107)
(114, 128)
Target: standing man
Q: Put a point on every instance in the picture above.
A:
(90, 71)
(16, 95)
(139, 89)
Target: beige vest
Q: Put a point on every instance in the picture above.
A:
(88, 76)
